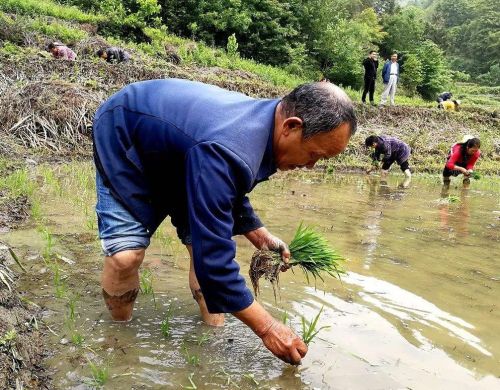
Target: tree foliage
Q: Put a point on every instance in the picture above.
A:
(469, 32)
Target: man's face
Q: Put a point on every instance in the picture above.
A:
(394, 57)
(54, 50)
(295, 152)
(104, 55)
(373, 56)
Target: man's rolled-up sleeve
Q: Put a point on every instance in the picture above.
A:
(213, 180)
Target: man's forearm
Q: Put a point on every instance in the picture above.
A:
(256, 318)
(256, 237)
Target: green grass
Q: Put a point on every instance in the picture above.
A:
(310, 328)
(48, 8)
(61, 32)
(8, 337)
(18, 183)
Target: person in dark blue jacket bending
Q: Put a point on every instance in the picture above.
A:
(193, 151)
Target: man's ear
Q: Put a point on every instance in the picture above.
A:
(291, 125)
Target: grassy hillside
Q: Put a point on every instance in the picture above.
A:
(47, 105)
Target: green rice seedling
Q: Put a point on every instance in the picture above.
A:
(165, 325)
(99, 372)
(146, 284)
(309, 250)
(251, 378)
(310, 328)
(71, 306)
(49, 245)
(476, 175)
(16, 259)
(77, 339)
(193, 360)
(203, 338)
(285, 318)
(192, 385)
(227, 377)
(453, 199)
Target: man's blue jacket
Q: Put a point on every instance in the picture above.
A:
(192, 151)
(386, 71)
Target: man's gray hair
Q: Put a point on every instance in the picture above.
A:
(321, 106)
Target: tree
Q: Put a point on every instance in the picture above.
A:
(405, 30)
(435, 71)
(411, 73)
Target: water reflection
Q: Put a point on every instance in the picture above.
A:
(454, 213)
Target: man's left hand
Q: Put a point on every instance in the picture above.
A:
(262, 239)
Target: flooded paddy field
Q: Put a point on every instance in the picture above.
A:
(418, 308)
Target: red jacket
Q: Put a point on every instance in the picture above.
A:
(455, 158)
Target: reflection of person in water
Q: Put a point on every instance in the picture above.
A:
(455, 216)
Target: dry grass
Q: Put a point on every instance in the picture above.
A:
(50, 114)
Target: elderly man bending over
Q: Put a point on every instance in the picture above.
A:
(193, 151)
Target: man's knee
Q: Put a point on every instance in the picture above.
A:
(126, 261)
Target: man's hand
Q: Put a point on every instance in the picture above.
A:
(262, 239)
(277, 337)
(284, 343)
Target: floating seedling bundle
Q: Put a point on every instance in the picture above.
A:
(309, 250)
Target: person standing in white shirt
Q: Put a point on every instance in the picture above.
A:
(390, 75)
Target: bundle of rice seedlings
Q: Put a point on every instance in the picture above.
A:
(476, 175)
(309, 250)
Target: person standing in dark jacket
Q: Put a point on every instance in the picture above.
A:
(371, 65)
(113, 55)
(193, 151)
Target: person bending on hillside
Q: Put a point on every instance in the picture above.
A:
(443, 97)
(193, 152)
(389, 150)
(461, 160)
(451, 105)
(113, 55)
(62, 52)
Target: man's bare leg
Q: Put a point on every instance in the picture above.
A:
(208, 318)
(120, 282)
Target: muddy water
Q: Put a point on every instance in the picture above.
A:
(418, 309)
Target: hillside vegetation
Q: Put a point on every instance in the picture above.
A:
(47, 105)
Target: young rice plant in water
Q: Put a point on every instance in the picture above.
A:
(310, 328)
(309, 250)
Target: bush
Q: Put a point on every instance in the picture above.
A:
(58, 31)
(48, 8)
(491, 78)
(436, 74)
(411, 73)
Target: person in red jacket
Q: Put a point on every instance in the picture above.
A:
(462, 158)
